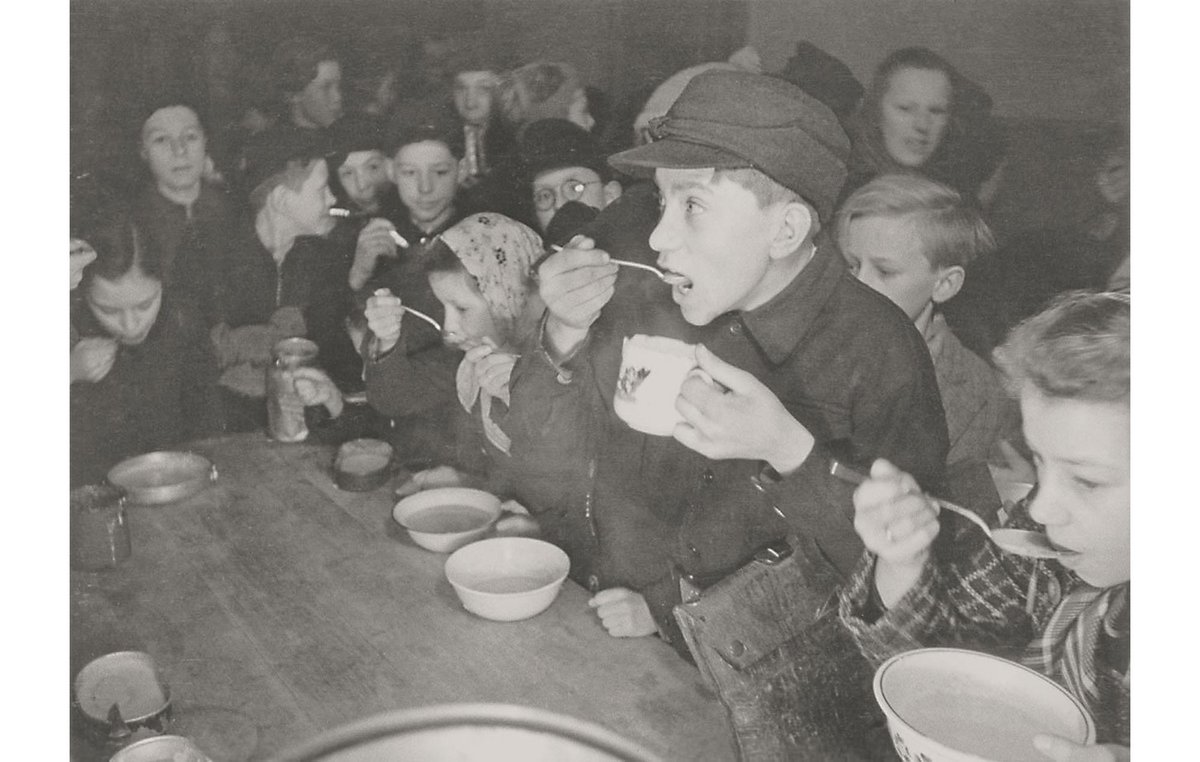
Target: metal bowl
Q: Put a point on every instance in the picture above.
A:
(470, 733)
(157, 478)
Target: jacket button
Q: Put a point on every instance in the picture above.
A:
(735, 328)
(593, 583)
(693, 550)
(708, 476)
(737, 648)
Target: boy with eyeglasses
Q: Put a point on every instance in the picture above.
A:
(565, 163)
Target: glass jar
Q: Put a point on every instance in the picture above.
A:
(99, 531)
(285, 410)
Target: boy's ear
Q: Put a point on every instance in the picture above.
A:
(795, 223)
(463, 171)
(389, 168)
(276, 201)
(949, 281)
(612, 191)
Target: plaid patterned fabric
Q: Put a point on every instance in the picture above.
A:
(973, 596)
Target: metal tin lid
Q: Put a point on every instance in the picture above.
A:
(295, 348)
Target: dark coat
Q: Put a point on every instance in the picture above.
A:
(158, 394)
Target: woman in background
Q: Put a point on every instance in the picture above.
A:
(920, 115)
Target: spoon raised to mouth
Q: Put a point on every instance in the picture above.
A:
(415, 313)
(665, 277)
(1020, 542)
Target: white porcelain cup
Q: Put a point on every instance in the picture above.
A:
(653, 368)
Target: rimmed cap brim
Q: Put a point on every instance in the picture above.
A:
(674, 154)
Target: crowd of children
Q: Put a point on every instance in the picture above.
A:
(806, 247)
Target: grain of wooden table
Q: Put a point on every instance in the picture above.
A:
(278, 607)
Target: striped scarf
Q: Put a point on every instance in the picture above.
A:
(1066, 649)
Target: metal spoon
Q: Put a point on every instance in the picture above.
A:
(671, 278)
(415, 313)
(1021, 542)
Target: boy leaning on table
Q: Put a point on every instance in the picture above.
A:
(1069, 619)
(803, 355)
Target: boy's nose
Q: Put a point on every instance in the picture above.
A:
(425, 184)
(1045, 507)
(178, 148)
(663, 238)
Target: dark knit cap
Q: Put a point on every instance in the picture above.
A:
(825, 77)
(270, 151)
(356, 132)
(556, 143)
(734, 120)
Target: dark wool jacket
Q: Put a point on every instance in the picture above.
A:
(190, 245)
(843, 360)
(158, 394)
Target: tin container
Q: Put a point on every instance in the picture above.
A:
(285, 411)
(120, 695)
(99, 530)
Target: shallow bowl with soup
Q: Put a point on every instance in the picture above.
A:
(507, 578)
(447, 518)
(954, 705)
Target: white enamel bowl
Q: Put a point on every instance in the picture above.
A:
(507, 578)
(426, 505)
(954, 705)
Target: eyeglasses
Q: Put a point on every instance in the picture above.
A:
(571, 190)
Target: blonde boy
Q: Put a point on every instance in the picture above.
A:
(911, 239)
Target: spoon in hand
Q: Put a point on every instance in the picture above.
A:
(415, 313)
(1020, 542)
(665, 277)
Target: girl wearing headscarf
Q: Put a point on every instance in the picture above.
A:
(480, 271)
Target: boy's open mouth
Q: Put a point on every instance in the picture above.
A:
(677, 280)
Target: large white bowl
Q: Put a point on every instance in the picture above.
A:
(470, 733)
(444, 503)
(954, 705)
(507, 578)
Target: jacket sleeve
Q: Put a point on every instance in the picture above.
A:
(406, 382)
(897, 415)
(980, 599)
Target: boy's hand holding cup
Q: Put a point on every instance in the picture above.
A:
(727, 413)
(575, 283)
(384, 313)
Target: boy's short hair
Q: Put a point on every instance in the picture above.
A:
(740, 120)
(294, 62)
(953, 232)
(419, 131)
(1076, 348)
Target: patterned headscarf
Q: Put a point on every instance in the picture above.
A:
(499, 253)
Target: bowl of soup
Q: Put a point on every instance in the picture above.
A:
(447, 518)
(507, 578)
(955, 705)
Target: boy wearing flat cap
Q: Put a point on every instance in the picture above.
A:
(805, 361)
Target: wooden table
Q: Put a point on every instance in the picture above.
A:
(278, 607)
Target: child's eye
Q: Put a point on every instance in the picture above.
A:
(1085, 484)
(692, 206)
